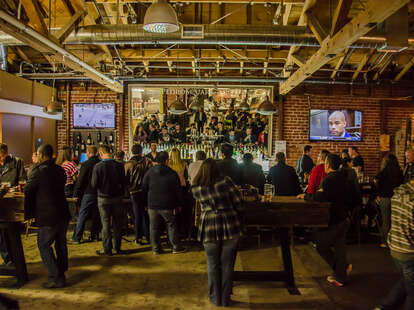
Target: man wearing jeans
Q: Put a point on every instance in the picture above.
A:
(108, 180)
(89, 205)
(401, 244)
(45, 201)
(163, 189)
(135, 170)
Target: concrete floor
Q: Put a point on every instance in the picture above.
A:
(140, 280)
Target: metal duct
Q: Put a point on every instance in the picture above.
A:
(3, 57)
(213, 35)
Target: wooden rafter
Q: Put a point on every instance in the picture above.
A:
(288, 9)
(21, 54)
(146, 64)
(404, 70)
(339, 63)
(218, 66)
(361, 65)
(340, 17)
(65, 31)
(376, 11)
(383, 67)
(265, 64)
(241, 67)
(110, 13)
(169, 63)
(32, 9)
(316, 27)
(295, 2)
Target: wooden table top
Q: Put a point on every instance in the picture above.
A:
(12, 207)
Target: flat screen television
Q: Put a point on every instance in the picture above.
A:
(94, 115)
(335, 125)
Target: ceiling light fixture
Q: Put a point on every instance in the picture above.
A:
(161, 17)
(177, 107)
(244, 106)
(266, 107)
(53, 107)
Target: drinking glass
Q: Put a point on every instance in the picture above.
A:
(269, 191)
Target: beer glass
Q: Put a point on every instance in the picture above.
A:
(269, 191)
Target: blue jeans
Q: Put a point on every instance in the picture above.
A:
(55, 264)
(155, 216)
(141, 221)
(403, 292)
(111, 209)
(220, 267)
(88, 210)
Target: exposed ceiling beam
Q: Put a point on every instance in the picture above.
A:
(339, 64)
(68, 6)
(32, 9)
(22, 54)
(288, 9)
(308, 4)
(340, 17)
(382, 69)
(110, 13)
(241, 67)
(193, 65)
(169, 63)
(404, 70)
(265, 64)
(361, 65)
(65, 31)
(376, 11)
(316, 27)
(218, 66)
(146, 64)
(56, 51)
(295, 2)
(298, 60)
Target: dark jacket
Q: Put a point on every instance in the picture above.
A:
(354, 197)
(285, 180)
(358, 161)
(387, 180)
(162, 185)
(408, 172)
(252, 139)
(333, 189)
(179, 137)
(83, 184)
(45, 195)
(153, 136)
(252, 174)
(135, 170)
(304, 165)
(108, 179)
(230, 168)
(12, 171)
(200, 117)
(236, 138)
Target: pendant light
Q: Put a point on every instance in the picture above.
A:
(161, 17)
(266, 107)
(177, 107)
(53, 107)
(244, 106)
(195, 104)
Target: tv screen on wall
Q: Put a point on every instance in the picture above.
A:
(94, 115)
(335, 125)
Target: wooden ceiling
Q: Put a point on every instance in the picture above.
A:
(327, 21)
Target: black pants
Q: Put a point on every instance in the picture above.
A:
(4, 246)
(57, 264)
(331, 245)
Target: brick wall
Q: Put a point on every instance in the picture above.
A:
(366, 99)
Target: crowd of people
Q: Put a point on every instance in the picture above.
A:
(163, 190)
(232, 127)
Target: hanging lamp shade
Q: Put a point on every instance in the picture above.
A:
(266, 107)
(195, 104)
(244, 106)
(161, 17)
(53, 107)
(177, 107)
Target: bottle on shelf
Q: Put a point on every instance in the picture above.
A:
(99, 138)
(78, 139)
(106, 141)
(89, 139)
(111, 137)
(83, 146)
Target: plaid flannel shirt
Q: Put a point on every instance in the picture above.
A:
(219, 203)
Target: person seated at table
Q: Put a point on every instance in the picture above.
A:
(11, 171)
(178, 134)
(165, 137)
(45, 201)
(318, 173)
(229, 166)
(140, 135)
(252, 173)
(248, 137)
(87, 196)
(232, 137)
(331, 241)
(284, 177)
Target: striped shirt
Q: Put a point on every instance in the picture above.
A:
(219, 203)
(70, 170)
(401, 235)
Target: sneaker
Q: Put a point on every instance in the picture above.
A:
(334, 281)
(348, 270)
(179, 250)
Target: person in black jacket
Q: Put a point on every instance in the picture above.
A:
(89, 204)
(284, 178)
(357, 160)
(229, 166)
(164, 194)
(45, 201)
(200, 119)
(389, 177)
(305, 164)
(252, 173)
(334, 189)
(108, 179)
(135, 170)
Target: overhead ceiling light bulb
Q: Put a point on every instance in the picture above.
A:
(244, 106)
(53, 107)
(161, 17)
(266, 107)
(177, 107)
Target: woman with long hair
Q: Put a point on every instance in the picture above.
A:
(140, 135)
(64, 159)
(219, 228)
(389, 177)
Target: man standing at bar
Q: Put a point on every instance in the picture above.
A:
(45, 201)
(163, 188)
(305, 165)
(135, 170)
(108, 178)
(357, 160)
(11, 171)
(229, 166)
(153, 154)
(89, 204)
